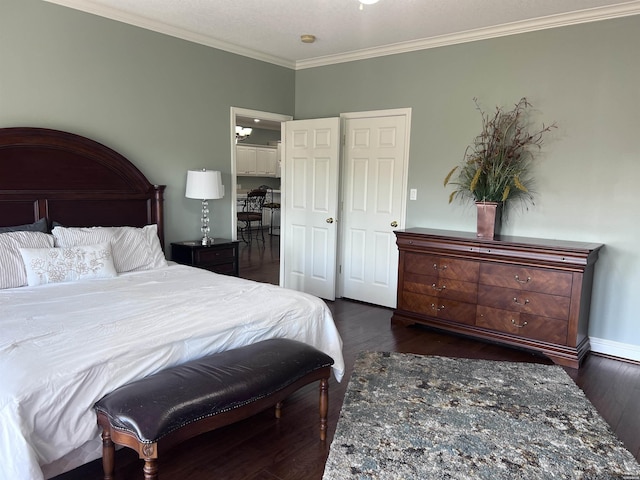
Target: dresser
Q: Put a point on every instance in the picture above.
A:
(220, 257)
(524, 292)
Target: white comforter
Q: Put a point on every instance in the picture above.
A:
(62, 347)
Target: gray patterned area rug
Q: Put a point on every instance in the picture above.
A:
(423, 417)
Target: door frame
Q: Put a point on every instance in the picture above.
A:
(244, 112)
(394, 112)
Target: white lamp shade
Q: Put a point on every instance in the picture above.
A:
(204, 184)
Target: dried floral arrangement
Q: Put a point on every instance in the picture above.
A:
(497, 164)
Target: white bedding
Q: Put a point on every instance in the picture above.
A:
(64, 346)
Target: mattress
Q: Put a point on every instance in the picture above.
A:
(64, 346)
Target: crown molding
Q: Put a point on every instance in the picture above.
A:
(159, 27)
(553, 21)
(542, 23)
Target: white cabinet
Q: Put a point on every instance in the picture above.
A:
(266, 160)
(253, 160)
(246, 160)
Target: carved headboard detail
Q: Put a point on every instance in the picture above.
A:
(72, 180)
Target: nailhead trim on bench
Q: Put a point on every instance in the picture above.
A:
(217, 389)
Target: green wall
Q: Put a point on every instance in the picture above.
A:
(162, 102)
(585, 77)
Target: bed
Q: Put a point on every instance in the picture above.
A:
(69, 336)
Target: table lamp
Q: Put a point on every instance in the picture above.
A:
(204, 185)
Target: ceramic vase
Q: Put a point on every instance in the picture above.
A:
(489, 219)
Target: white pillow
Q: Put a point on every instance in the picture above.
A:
(132, 248)
(12, 271)
(70, 264)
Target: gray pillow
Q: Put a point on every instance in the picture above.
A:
(39, 226)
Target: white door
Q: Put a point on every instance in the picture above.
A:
(374, 192)
(309, 206)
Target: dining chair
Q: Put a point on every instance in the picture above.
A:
(251, 214)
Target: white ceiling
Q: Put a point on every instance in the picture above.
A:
(270, 30)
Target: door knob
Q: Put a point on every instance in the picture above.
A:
(394, 224)
(329, 220)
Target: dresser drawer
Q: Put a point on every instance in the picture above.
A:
(523, 325)
(542, 304)
(441, 287)
(443, 267)
(212, 256)
(459, 312)
(525, 278)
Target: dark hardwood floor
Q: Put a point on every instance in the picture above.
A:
(264, 448)
(260, 261)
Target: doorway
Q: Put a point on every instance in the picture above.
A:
(355, 276)
(261, 259)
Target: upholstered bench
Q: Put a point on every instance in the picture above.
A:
(181, 402)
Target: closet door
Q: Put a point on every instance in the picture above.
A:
(374, 178)
(310, 206)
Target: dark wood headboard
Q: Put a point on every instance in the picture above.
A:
(74, 181)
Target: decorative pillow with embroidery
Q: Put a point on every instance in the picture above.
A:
(133, 248)
(12, 272)
(68, 264)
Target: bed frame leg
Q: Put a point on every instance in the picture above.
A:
(324, 407)
(108, 454)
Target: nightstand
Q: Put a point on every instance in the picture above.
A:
(220, 257)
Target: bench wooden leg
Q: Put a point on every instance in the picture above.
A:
(324, 407)
(108, 454)
(149, 453)
(150, 469)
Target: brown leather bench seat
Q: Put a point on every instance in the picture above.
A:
(181, 402)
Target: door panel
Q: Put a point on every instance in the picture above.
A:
(385, 187)
(321, 269)
(384, 245)
(356, 259)
(374, 168)
(310, 203)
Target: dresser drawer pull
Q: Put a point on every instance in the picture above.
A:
(515, 300)
(517, 279)
(435, 267)
(437, 309)
(522, 325)
(439, 289)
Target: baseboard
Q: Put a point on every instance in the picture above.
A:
(625, 351)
